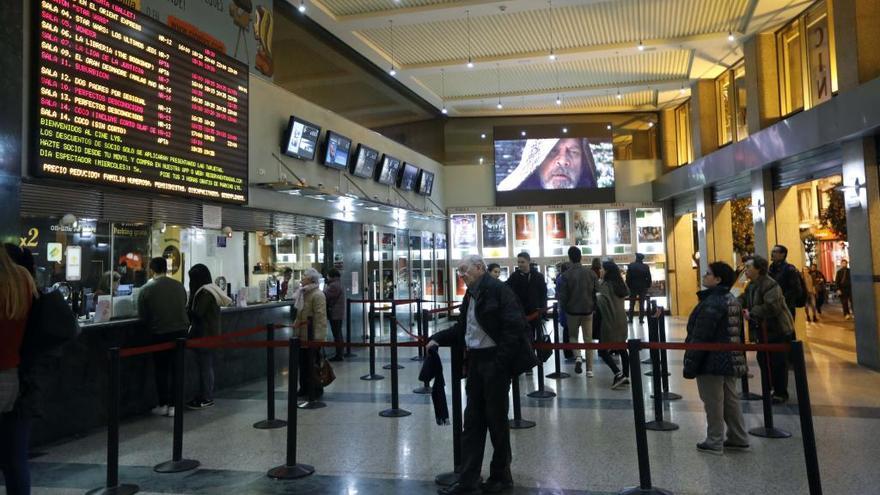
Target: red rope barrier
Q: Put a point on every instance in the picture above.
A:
(386, 301)
(199, 342)
(136, 351)
(715, 346)
(608, 346)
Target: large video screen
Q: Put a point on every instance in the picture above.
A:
(121, 99)
(543, 164)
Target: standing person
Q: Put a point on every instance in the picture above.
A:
(611, 293)
(786, 275)
(560, 315)
(162, 310)
(334, 294)
(576, 292)
(491, 328)
(810, 288)
(205, 300)
(717, 319)
(596, 266)
(285, 283)
(844, 288)
(309, 302)
(764, 307)
(494, 270)
(638, 279)
(530, 287)
(821, 286)
(17, 292)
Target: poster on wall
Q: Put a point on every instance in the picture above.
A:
(494, 235)
(618, 232)
(464, 235)
(555, 233)
(525, 233)
(587, 229)
(440, 246)
(649, 230)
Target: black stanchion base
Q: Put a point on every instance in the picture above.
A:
(558, 375)
(417, 358)
(541, 394)
(115, 490)
(668, 396)
(446, 479)
(570, 360)
(388, 367)
(270, 424)
(661, 426)
(374, 376)
(349, 355)
(521, 424)
(764, 432)
(644, 491)
(646, 361)
(311, 404)
(751, 396)
(291, 472)
(651, 373)
(394, 413)
(176, 466)
(422, 390)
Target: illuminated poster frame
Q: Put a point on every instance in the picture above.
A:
(618, 231)
(463, 229)
(586, 227)
(649, 230)
(555, 233)
(525, 233)
(494, 229)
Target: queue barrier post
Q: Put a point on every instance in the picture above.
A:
(768, 430)
(419, 325)
(422, 327)
(653, 336)
(541, 393)
(112, 487)
(659, 424)
(746, 394)
(312, 385)
(395, 411)
(177, 463)
(664, 360)
(451, 477)
(811, 458)
(348, 352)
(291, 469)
(518, 423)
(638, 399)
(558, 374)
(270, 423)
(371, 323)
(393, 331)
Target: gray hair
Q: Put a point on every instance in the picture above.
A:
(472, 260)
(312, 274)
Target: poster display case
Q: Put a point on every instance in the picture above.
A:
(587, 229)
(494, 227)
(649, 230)
(618, 232)
(525, 234)
(464, 235)
(555, 233)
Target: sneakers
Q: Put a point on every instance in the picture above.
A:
(170, 412)
(159, 411)
(199, 404)
(705, 448)
(626, 380)
(847, 317)
(578, 366)
(618, 381)
(496, 486)
(735, 446)
(778, 399)
(589, 373)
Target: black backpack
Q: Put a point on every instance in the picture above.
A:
(801, 299)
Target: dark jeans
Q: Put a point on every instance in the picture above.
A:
(568, 353)
(642, 295)
(308, 380)
(606, 356)
(336, 328)
(164, 366)
(778, 367)
(845, 301)
(15, 431)
(205, 363)
(487, 391)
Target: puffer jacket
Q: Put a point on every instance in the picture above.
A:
(766, 304)
(716, 319)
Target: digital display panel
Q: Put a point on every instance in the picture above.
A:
(300, 139)
(337, 150)
(365, 163)
(543, 164)
(388, 170)
(425, 183)
(121, 99)
(408, 175)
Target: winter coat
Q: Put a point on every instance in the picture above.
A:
(314, 306)
(766, 304)
(610, 303)
(716, 319)
(335, 296)
(576, 290)
(204, 314)
(789, 280)
(638, 276)
(842, 279)
(530, 288)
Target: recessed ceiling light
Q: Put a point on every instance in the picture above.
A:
(522, 133)
(302, 6)
(481, 160)
(730, 37)
(558, 100)
(650, 124)
(392, 72)
(499, 106)
(565, 130)
(608, 127)
(470, 65)
(444, 111)
(483, 136)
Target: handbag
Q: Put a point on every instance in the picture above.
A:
(324, 370)
(543, 338)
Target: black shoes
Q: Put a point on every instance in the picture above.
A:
(197, 404)
(336, 359)
(459, 489)
(496, 486)
(578, 367)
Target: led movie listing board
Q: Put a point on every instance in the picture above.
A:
(121, 99)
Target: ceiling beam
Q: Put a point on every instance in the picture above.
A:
(550, 94)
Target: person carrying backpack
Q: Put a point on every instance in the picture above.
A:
(788, 277)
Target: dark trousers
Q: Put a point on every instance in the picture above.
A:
(15, 433)
(778, 367)
(568, 353)
(308, 380)
(164, 367)
(607, 357)
(845, 301)
(487, 391)
(336, 328)
(205, 363)
(642, 295)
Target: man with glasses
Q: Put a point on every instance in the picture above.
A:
(492, 328)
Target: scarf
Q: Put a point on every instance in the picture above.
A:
(219, 296)
(300, 293)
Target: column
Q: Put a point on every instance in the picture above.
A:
(707, 247)
(863, 232)
(787, 233)
(762, 81)
(856, 37)
(721, 233)
(763, 212)
(704, 121)
(11, 138)
(683, 279)
(668, 144)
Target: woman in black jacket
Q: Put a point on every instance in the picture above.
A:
(718, 319)
(205, 300)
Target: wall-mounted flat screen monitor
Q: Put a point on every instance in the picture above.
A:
(300, 139)
(407, 179)
(337, 149)
(122, 100)
(387, 171)
(365, 161)
(549, 164)
(425, 183)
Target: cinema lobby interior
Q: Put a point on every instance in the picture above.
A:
(378, 247)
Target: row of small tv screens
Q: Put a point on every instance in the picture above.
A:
(300, 141)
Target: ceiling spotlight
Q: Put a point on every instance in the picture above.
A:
(650, 124)
(552, 57)
(392, 71)
(470, 64)
(558, 100)
(619, 96)
(565, 130)
(481, 160)
(730, 37)
(608, 127)
(483, 136)
(302, 6)
(641, 46)
(499, 106)
(443, 110)
(522, 133)
(682, 90)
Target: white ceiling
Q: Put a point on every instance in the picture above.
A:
(595, 43)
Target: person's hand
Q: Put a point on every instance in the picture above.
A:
(431, 345)
(745, 314)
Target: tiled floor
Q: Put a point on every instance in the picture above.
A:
(583, 443)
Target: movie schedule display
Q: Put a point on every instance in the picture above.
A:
(123, 100)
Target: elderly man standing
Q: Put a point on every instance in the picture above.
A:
(493, 328)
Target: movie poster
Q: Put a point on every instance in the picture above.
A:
(525, 233)
(464, 235)
(494, 235)
(649, 230)
(618, 231)
(555, 233)
(587, 229)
